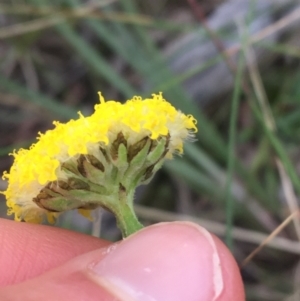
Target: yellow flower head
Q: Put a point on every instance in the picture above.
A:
(91, 140)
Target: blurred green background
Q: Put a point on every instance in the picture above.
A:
(234, 65)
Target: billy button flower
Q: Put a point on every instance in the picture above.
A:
(97, 160)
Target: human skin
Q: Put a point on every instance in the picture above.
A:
(164, 262)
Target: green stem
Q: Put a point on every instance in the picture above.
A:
(127, 220)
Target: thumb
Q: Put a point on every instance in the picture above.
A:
(165, 262)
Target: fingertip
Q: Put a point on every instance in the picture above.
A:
(171, 261)
(164, 262)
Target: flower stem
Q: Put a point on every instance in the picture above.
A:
(127, 220)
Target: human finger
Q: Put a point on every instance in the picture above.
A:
(27, 250)
(168, 261)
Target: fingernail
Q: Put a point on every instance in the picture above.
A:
(169, 261)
